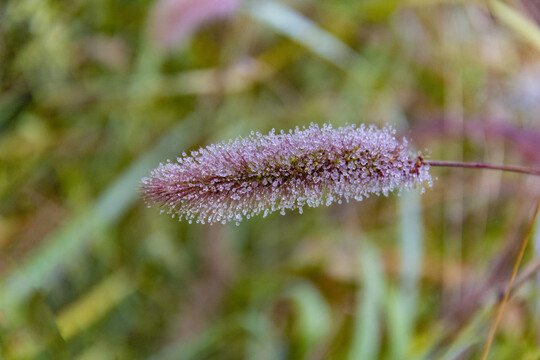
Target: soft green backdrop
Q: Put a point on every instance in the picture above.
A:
(90, 103)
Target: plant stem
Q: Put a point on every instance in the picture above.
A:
(458, 164)
(504, 300)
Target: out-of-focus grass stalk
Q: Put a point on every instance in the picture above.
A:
(264, 342)
(520, 24)
(503, 302)
(471, 334)
(60, 247)
(411, 241)
(295, 26)
(313, 321)
(366, 337)
(80, 315)
(94, 305)
(100, 350)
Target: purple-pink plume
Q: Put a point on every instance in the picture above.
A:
(258, 174)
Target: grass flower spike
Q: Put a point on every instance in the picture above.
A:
(313, 166)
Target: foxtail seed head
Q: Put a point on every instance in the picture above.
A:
(312, 166)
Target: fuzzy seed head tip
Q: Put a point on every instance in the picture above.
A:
(261, 174)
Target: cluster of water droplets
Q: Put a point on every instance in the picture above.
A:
(262, 174)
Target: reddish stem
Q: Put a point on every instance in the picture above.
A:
(458, 164)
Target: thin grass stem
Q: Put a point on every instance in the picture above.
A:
(504, 300)
(516, 169)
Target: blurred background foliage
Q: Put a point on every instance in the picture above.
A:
(94, 94)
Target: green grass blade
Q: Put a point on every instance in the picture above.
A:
(367, 333)
(61, 246)
(517, 22)
(402, 306)
(295, 26)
